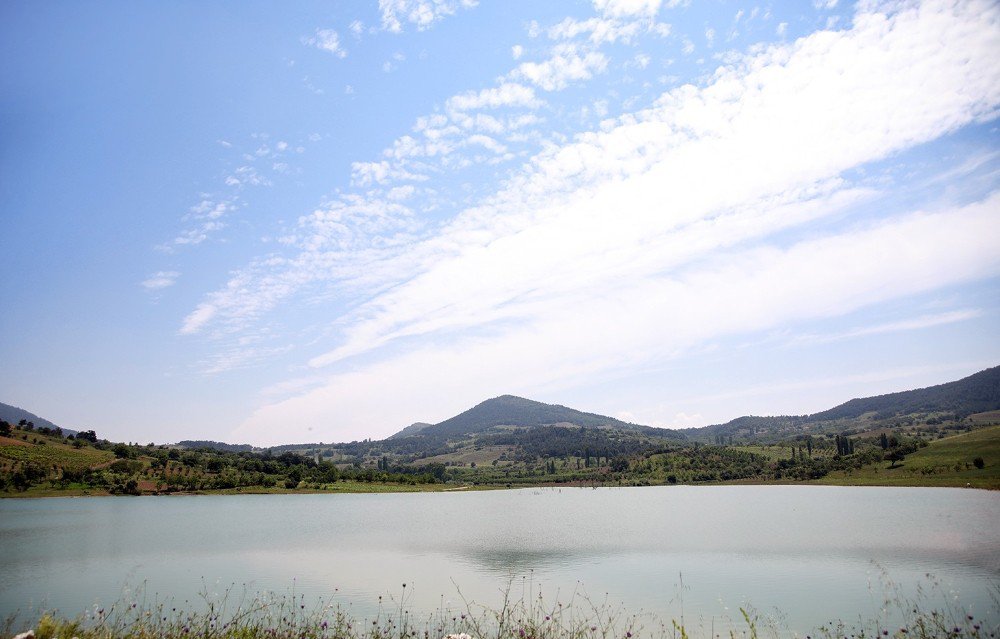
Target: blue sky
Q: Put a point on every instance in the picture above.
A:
(275, 222)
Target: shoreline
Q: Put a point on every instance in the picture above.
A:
(444, 488)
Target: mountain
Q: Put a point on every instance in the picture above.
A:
(13, 414)
(973, 394)
(410, 430)
(953, 401)
(508, 410)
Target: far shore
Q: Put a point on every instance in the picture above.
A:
(375, 488)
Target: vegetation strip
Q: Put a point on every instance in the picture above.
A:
(271, 616)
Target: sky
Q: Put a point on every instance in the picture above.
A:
(273, 222)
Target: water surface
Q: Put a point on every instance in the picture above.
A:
(804, 555)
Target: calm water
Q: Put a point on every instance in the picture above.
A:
(804, 555)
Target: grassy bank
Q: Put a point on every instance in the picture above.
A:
(945, 462)
(289, 616)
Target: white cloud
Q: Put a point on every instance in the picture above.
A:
(619, 8)
(247, 175)
(420, 13)
(326, 40)
(198, 318)
(508, 94)
(160, 280)
(566, 65)
(516, 51)
(601, 30)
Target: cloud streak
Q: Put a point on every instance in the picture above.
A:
(723, 207)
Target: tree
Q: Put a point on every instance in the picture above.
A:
(5, 428)
(978, 463)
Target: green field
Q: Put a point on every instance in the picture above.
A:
(944, 462)
(51, 452)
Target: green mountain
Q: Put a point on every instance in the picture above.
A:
(973, 394)
(13, 414)
(410, 430)
(945, 403)
(518, 412)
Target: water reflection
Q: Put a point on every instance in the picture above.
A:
(783, 547)
(519, 561)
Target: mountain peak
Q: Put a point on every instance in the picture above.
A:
(511, 410)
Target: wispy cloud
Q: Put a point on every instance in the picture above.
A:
(567, 64)
(420, 13)
(619, 8)
(160, 280)
(326, 40)
(912, 324)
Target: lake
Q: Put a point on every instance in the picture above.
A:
(801, 555)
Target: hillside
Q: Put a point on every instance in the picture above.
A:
(13, 414)
(973, 394)
(508, 410)
(943, 407)
(410, 430)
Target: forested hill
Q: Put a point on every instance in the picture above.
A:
(13, 414)
(952, 401)
(974, 394)
(508, 410)
(410, 430)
